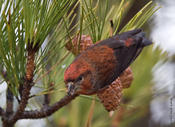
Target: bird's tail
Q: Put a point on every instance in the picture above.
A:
(145, 41)
(127, 54)
(138, 35)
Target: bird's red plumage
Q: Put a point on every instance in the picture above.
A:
(102, 63)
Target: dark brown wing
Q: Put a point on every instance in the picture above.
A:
(126, 46)
(134, 41)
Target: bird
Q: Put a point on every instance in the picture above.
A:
(99, 65)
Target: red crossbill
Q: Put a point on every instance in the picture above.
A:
(99, 65)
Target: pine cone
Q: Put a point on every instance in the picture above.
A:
(110, 97)
(126, 78)
(85, 42)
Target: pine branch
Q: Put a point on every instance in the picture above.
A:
(28, 81)
(49, 110)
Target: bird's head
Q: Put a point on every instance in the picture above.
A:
(78, 78)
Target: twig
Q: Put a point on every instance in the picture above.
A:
(47, 111)
(9, 97)
(47, 96)
(111, 28)
(23, 102)
(2, 112)
(46, 99)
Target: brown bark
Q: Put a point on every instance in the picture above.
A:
(47, 111)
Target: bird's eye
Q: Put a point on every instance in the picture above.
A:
(80, 78)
